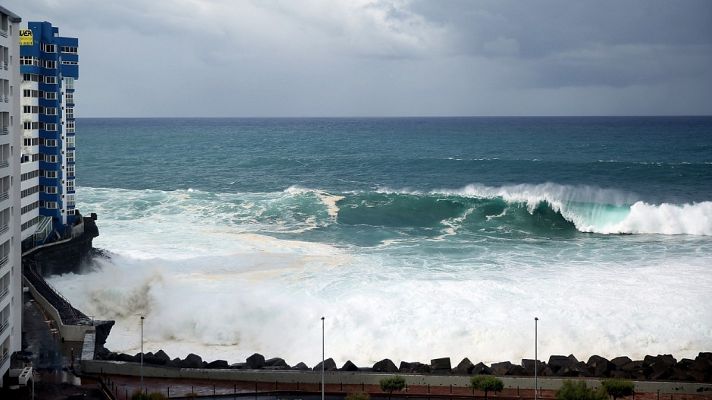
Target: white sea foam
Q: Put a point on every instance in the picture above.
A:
(225, 292)
(605, 211)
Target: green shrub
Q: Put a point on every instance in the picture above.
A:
(486, 384)
(392, 384)
(358, 396)
(577, 390)
(618, 388)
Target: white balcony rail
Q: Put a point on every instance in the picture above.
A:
(3, 261)
(4, 229)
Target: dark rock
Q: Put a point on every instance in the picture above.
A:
(659, 367)
(501, 368)
(599, 366)
(238, 366)
(205, 364)
(528, 365)
(301, 367)
(701, 368)
(161, 355)
(349, 366)
(125, 357)
(329, 365)
(218, 364)
(516, 370)
(481, 369)
(365, 369)
(440, 365)
(192, 361)
(464, 367)
(414, 368)
(102, 353)
(385, 365)
(276, 363)
(175, 363)
(255, 361)
(634, 369)
(621, 361)
(556, 363)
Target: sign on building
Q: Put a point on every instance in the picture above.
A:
(26, 37)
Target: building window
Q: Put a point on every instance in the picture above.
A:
(70, 63)
(49, 189)
(50, 127)
(50, 142)
(30, 191)
(70, 185)
(50, 174)
(50, 158)
(50, 95)
(49, 48)
(69, 49)
(28, 60)
(70, 156)
(50, 64)
(50, 79)
(70, 170)
(70, 127)
(70, 112)
(49, 110)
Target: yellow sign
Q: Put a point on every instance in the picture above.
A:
(26, 37)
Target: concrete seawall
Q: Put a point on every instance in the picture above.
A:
(97, 367)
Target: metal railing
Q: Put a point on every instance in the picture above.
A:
(3, 261)
(4, 228)
(3, 33)
(4, 326)
(4, 131)
(4, 164)
(4, 292)
(4, 357)
(4, 196)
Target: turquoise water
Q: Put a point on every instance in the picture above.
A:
(417, 237)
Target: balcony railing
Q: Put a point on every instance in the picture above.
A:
(4, 358)
(3, 33)
(4, 292)
(4, 196)
(3, 261)
(4, 228)
(4, 163)
(4, 131)
(4, 326)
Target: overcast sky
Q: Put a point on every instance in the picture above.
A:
(386, 57)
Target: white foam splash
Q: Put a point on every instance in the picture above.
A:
(225, 292)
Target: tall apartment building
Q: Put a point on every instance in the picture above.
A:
(10, 239)
(49, 64)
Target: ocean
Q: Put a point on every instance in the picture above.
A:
(416, 238)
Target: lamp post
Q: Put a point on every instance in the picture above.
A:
(536, 360)
(142, 353)
(322, 358)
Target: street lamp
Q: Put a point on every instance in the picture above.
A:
(536, 360)
(142, 353)
(322, 358)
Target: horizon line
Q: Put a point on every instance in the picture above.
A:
(407, 116)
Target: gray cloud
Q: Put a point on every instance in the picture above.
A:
(386, 57)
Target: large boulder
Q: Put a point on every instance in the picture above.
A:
(557, 363)
(659, 367)
(125, 358)
(255, 361)
(701, 368)
(192, 361)
(516, 370)
(440, 365)
(385, 365)
(162, 356)
(633, 370)
(464, 367)
(238, 366)
(528, 365)
(599, 366)
(329, 365)
(414, 368)
(218, 364)
(619, 362)
(276, 363)
(501, 368)
(302, 367)
(481, 369)
(349, 366)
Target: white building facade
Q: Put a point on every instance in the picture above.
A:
(10, 208)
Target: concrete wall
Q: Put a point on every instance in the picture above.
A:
(70, 333)
(356, 378)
